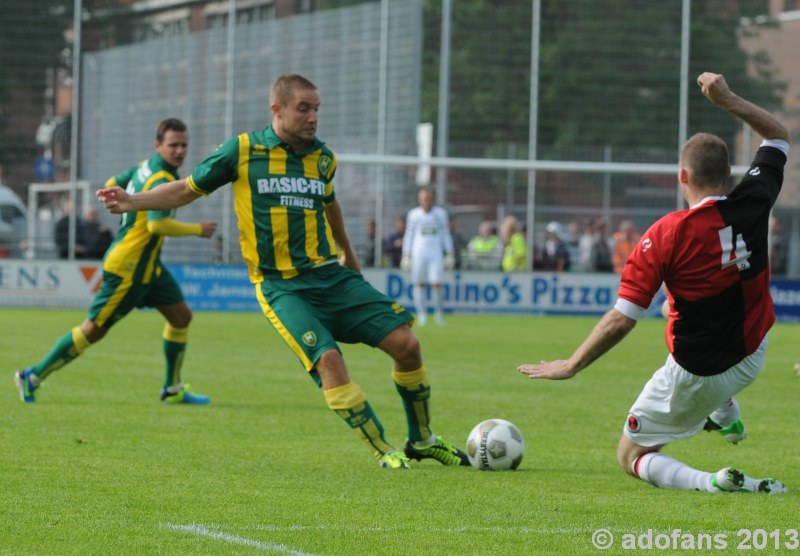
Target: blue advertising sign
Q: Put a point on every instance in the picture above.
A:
(228, 288)
(786, 296)
(216, 287)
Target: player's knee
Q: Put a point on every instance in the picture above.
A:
(182, 319)
(407, 351)
(93, 332)
(332, 369)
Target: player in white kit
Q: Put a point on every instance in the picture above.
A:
(427, 251)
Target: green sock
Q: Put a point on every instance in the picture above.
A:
(174, 343)
(67, 348)
(367, 426)
(350, 402)
(173, 353)
(415, 391)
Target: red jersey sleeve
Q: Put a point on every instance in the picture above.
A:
(649, 263)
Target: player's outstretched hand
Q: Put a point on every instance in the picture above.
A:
(209, 227)
(554, 370)
(116, 199)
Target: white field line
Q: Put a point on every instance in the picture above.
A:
(203, 531)
(483, 529)
(389, 528)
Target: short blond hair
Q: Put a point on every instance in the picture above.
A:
(283, 88)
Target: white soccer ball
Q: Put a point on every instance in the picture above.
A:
(495, 444)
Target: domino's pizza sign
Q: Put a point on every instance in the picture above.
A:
(786, 297)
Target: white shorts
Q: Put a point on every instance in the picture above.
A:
(427, 267)
(675, 404)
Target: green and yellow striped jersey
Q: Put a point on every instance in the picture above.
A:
(279, 198)
(135, 252)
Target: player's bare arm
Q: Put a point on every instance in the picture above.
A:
(336, 220)
(716, 89)
(607, 333)
(168, 196)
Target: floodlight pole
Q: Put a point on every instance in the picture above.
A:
(74, 136)
(444, 101)
(683, 116)
(533, 126)
(230, 97)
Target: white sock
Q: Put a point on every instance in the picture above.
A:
(438, 295)
(419, 299)
(726, 414)
(665, 472)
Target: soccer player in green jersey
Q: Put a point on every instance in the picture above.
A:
(307, 277)
(133, 275)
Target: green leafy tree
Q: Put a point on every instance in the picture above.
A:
(609, 72)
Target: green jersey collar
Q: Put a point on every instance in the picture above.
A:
(163, 163)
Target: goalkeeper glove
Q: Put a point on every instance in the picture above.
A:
(405, 262)
(449, 261)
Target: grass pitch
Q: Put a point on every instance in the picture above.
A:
(99, 466)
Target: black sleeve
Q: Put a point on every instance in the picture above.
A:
(765, 174)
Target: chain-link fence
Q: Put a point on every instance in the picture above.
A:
(593, 88)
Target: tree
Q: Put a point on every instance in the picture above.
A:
(609, 72)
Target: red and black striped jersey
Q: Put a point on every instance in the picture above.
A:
(713, 260)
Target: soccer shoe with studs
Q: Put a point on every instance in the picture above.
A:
(733, 480)
(22, 379)
(733, 433)
(394, 460)
(441, 450)
(184, 395)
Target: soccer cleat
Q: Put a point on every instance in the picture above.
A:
(797, 369)
(733, 433)
(441, 450)
(184, 395)
(733, 480)
(22, 378)
(394, 460)
(422, 319)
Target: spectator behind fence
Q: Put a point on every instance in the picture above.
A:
(515, 249)
(459, 243)
(602, 254)
(572, 238)
(585, 262)
(96, 235)
(554, 255)
(485, 250)
(393, 243)
(625, 240)
(368, 251)
(61, 232)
